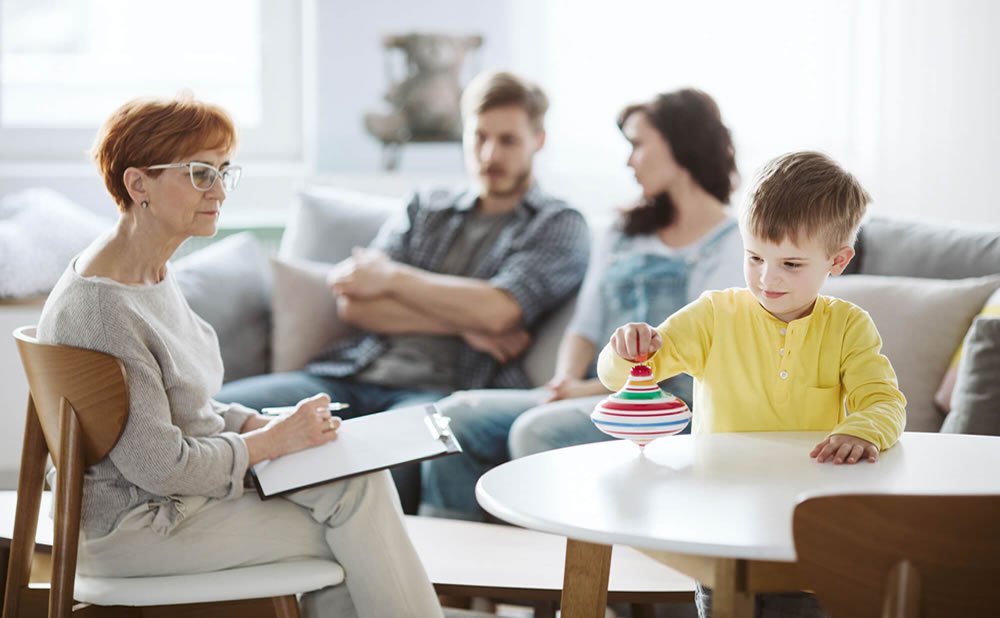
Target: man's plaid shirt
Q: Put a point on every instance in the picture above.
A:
(539, 258)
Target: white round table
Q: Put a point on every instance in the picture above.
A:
(715, 506)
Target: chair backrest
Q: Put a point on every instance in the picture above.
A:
(884, 555)
(92, 383)
(77, 410)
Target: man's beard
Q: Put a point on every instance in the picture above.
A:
(519, 184)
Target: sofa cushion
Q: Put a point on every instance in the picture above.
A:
(305, 313)
(540, 359)
(228, 285)
(326, 223)
(946, 390)
(976, 404)
(40, 230)
(921, 321)
(910, 248)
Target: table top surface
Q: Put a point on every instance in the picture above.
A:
(728, 495)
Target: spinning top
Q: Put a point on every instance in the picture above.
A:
(641, 411)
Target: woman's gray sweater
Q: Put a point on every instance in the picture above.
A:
(177, 441)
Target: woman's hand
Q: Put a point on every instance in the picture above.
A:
(310, 425)
(566, 387)
(636, 341)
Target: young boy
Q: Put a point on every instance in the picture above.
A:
(776, 355)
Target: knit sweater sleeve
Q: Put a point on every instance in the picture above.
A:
(154, 454)
(233, 414)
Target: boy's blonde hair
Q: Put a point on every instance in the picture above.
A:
(806, 193)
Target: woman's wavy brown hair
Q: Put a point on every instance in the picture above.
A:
(690, 121)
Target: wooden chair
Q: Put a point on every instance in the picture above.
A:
(77, 411)
(885, 556)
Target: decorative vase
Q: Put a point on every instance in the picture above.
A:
(641, 411)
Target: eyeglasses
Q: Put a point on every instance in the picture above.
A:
(203, 176)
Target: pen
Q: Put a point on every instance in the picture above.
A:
(278, 411)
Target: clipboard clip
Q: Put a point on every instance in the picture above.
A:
(438, 424)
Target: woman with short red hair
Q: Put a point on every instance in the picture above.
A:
(169, 497)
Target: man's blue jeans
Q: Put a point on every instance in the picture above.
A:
(286, 389)
(481, 421)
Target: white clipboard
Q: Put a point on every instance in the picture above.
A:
(363, 445)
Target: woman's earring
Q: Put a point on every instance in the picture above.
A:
(145, 204)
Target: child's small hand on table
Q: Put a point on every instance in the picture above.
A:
(842, 448)
(636, 341)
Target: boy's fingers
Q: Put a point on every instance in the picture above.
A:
(843, 453)
(871, 452)
(856, 452)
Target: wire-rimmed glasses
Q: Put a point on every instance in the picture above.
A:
(204, 176)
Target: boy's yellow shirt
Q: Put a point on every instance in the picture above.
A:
(753, 372)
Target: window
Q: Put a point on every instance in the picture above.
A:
(66, 64)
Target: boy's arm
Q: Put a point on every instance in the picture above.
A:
(876, 407)
(687, 339)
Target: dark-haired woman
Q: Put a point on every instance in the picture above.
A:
(680, 240)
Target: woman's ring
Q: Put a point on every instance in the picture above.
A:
(331, 424)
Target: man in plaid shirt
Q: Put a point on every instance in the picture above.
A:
(449, 292)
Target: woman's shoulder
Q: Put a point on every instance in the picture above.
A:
(91, 313)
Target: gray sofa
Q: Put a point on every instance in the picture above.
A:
(922, 282)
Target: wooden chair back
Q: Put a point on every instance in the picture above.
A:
(894, 556)
(77, 411)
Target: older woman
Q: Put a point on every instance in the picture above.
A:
(677, 241)
(169, 497)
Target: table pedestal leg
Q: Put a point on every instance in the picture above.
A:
(585, 580)
(729, 596)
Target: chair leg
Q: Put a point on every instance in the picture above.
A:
(902, 598)
(29, 496)
(286, 606)
(642, 610)
(69, 495)
(545, 609)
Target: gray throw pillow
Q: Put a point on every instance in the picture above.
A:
(976, 402)
(326, 223)
(228, 284)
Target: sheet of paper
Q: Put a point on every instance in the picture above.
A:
(363, 444)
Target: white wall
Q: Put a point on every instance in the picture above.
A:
(939, 129)
(902, 92)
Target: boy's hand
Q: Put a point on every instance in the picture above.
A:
(842, 448)
(636, 341)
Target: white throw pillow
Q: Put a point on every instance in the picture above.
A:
(40, 231)
(921, 321)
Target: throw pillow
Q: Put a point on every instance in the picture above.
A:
(227, 284)
(920, 321)
(305, 313)
(944, 394)
(326, 223)
(977, 392)
(40, 231)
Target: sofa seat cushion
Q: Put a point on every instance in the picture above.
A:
(921, 321)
